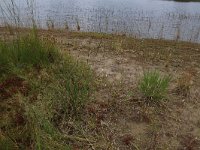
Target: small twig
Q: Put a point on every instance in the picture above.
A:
(135, 146)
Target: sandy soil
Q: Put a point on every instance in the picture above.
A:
(126, 122)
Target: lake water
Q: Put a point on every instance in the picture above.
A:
(139, 18)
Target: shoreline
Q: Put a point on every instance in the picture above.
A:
(95, 35)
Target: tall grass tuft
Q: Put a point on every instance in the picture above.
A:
(37, 104)
(154, 86)
(43, 100)
(76, 79)
(4, 60)
(26, 51)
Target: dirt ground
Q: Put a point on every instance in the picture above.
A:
(118, 117)
(125, 121)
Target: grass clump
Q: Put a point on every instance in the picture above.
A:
(4, 61)
(154, 86)
(76, 78)
(26, 51)
(40, 92)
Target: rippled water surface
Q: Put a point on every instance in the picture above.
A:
(140, 18)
